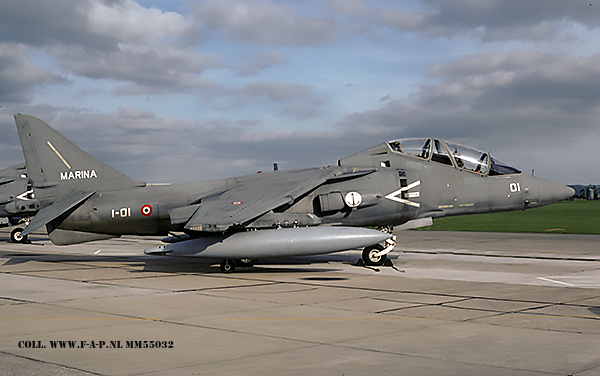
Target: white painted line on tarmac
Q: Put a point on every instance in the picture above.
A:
(551, 280)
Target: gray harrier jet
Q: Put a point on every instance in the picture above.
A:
(279, 213)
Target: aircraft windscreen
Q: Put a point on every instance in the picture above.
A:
(418, 147)
(500, 168)
(469, 158)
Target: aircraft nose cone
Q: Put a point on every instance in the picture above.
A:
(553, 192)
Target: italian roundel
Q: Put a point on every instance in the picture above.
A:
(146, 210)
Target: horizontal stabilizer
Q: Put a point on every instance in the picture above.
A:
(52, 212)
(10, 174)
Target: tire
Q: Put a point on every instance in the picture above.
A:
(16, 237)
(227, 267)
(245, 262)
(369, 258)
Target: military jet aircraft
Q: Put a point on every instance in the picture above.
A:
(279, 213)
(17, 201)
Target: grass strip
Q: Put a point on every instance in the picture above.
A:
(568, 217)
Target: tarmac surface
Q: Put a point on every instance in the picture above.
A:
(456, 303)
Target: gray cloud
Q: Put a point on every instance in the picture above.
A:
(143, 69)
(147, 51)
(265, 22)
(145, 48)
(519, 79)
(287, 99)
(501, 20)
(522, 103)
(487, 20)
(38, 23)
(160, 149)
(19, 75)
(260, 63)
(506, 103)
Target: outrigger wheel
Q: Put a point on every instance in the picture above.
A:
(227, 266)
(370, 255)
(16, 236)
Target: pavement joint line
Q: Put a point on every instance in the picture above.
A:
(516, 315)
(226, 287)
(220, 361)
(271, 282)
(236, 331)
(365, 349)
(42, 270)
(95, 311)
(536, 257)
(479, 309)
(32, 273)
(331, 318)
(417, 305)
(21, 301)
(54, 364)
(437, 294)
(77, 318)
(92, 282)
(95, 281)
(443, 359)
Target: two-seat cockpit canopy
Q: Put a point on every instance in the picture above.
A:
(452, 154)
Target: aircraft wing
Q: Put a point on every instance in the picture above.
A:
(57, 209)
(251, 196)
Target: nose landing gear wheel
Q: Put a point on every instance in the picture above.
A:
(370, 257)
(17, 237)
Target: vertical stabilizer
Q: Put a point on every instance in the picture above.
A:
(58, 167)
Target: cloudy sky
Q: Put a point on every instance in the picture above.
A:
(176, 91)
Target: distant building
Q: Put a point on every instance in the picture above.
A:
(585, 192)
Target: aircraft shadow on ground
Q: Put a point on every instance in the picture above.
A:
(165, 264)
(595, 310)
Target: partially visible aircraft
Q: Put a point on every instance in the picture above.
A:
(17, 201)
(279, 213)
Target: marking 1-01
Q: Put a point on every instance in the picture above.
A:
(121, 213)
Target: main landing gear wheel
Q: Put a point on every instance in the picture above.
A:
(370, 255)
(227, 266)
(247, 262)
(16, 236)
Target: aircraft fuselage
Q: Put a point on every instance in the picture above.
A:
(395, 188)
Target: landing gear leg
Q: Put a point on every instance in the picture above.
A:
(227, 266)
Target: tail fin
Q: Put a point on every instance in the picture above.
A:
(56, 163)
